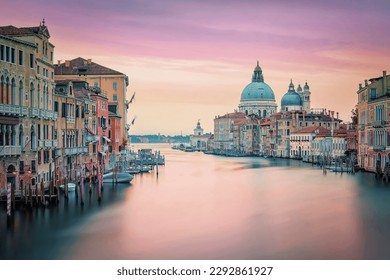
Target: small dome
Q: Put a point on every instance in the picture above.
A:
(291, 98)
(306, 87)
(299, 89)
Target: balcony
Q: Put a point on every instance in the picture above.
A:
(48, 143)
(58, 151)
(70, 119)
(13, 110)
(41, 143)
(55, 116)
(379, 123)
(105, 148)
(34, 112)
(362, 126)
(10, 151)
(54, 143)
(92, 138)
(70, 151)
(378, 148)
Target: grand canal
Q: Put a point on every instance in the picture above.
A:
(209, 207)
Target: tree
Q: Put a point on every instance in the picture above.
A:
(355, 114)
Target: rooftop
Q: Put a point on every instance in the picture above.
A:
(81, 66)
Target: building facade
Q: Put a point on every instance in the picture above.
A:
(374, 123)
(27, 117)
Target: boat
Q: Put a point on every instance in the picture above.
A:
(188, 149)
(133, 170)
(144, 168)
(121, 177)
(71, 187)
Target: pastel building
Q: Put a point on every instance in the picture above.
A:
(27, 117)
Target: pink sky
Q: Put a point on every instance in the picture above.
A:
(190, 60)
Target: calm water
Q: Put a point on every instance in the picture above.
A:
(207, 207)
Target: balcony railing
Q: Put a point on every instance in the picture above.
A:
(58, 151)
(75, 151)
(41, 143)
(379, 148)
(105, 148)
(54, 143)
(34, 112)
(92, 138)
(10, 151)
(16, 110)
(361, 126)
(70, 119)
(48, 143)
(380, 123)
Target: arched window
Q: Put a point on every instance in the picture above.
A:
(33, 140)
(7, 92)
(21, 136)
(32, 95)
(13, 92)
(2, 89)
(13, 136)
(46, 98)
(39, 95)
(21, 93)
(2, 134)
(246, 112)
(264, 113)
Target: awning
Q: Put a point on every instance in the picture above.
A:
(107, 139)
(102, 153)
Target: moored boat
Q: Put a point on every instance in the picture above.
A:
(71, 187)
(121, 177)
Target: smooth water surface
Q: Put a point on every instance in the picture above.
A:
(210, 207)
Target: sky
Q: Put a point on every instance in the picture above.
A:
(190, 60)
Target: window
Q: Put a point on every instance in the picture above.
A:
(115, 97)
(373, 92)
(55, 106)
(31, 60)
(114, 85)
(13, 56)
(38, 70)
(51, 56)
(2, 52)
(7, 54)
(21, 58)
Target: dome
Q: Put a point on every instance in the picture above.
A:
(306, 87)
(257, 90)
(291, 98)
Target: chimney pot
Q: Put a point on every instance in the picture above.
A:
(365, 82)
(67, 63)
(59, 63)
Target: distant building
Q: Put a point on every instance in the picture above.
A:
(199, 140)
(223, 131)
(302, 141)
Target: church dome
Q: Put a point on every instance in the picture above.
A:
(257, 90)
(291, 98)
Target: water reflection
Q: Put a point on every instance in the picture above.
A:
(207, 207)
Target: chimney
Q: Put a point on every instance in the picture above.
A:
(89, 61)
(67, 63)
(337, 114)
(360, 86)
(384, 82)
(59, 63)
(365, 83)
